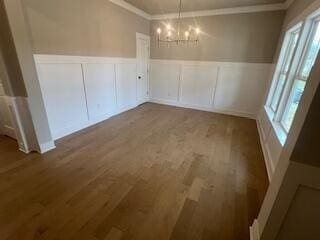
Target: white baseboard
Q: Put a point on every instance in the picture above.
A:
(46, 147)
(201, 108)
(80, 126)
(254, 231)
(26, 151)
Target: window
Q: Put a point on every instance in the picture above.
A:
(283, 74)
(302, 76)
(298, 55)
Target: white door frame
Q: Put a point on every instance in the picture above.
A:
(146, 38)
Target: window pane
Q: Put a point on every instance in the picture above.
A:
(278, 91)
(293, 103)
(281, 81)
(300, 82)
(290, 51)
(312, 53)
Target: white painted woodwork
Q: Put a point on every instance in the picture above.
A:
(81, 91)
(232, 88)
(165, 81)
(100, 86)
(64, 96)
(143, 58)
(15, 122)
(209, 12)
(198, 84)
(240, 89)
(126, 85)
(270, 143)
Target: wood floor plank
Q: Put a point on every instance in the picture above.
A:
(154, 172)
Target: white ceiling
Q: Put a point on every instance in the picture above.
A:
(171, 6)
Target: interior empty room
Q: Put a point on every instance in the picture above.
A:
(165, 120)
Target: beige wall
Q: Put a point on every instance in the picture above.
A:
(296, 8)
(250, 37)
(100, 28)
(83, 27)
(10, 70)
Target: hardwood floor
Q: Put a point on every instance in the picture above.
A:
(155, 172)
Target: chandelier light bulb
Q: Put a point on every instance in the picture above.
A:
(178, 33)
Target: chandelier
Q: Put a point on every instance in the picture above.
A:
(167, 36)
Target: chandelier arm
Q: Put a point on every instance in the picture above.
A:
(189, 38)
(179, 18)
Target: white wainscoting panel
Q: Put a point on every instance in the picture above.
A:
(198, 84)
(64, 97)
(264, 124)
(232, 88)
(270, 143)
(100, 85)
(81, 91)
(165, 81)
(274, 148)
(240, 89)
(126, 85)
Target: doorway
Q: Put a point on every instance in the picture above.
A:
(6, 123)
(143, 65)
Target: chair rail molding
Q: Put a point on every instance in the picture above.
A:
(202, 13)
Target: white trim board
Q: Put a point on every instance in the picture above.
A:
(112, 80)
(254, 231)
(131, 8)
(209, 63)
(140, 98)
(205, 85)
(202, 13)
(205, 109)
(46, 147)
(266, 153)
(223, 11)
(60, 59)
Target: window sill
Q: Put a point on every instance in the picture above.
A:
(279, 131)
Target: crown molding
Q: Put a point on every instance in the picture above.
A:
(224, 11)
(131, 8)
(203, 13)
(288, 3)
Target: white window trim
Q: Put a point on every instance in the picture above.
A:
(301, 50)
(279, 66)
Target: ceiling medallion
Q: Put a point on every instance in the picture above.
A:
(168, 36)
